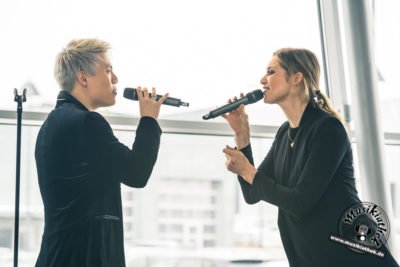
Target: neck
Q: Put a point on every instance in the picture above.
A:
(294, 110)
(79, 94)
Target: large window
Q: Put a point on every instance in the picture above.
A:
(191, 203)
(387, 41)
(201, 51)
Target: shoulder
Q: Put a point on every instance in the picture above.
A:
(95, 117)
(324, 125)
(96, 129)
(96, 120)
(325, 121)
(66, 118)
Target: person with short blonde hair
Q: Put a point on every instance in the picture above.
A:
(78, 55)
(81, 164)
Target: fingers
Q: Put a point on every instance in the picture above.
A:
(230, 151)
(139, 93)
(144, 93)
(230, 162)
(240, 109)
(163, 98)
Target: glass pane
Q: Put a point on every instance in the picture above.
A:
(192, 209)
(203, 52)
(387, 41)
(392, 154)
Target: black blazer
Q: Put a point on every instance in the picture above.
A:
(312, 184)
(81, 165)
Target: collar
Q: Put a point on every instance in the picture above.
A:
(307, 113)
(65, 97)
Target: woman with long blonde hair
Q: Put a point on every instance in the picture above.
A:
(308, 172)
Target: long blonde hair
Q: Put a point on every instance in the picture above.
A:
(294, 60)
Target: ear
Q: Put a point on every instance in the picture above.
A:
(81, 78)
(298, 78)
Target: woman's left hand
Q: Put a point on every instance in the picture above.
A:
(237, 163)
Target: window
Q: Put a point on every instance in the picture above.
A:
(386, 43)
(201, 51)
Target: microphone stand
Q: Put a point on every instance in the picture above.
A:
(19, 99)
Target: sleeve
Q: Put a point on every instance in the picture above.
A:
(266, 167)
(114, 160)
(327, 149)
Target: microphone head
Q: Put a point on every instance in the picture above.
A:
(130, 93)
(255, 95)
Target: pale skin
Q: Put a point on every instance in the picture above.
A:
(100, 90)
(279, 88)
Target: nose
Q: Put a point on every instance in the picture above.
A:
(114, 78)
(263, 80)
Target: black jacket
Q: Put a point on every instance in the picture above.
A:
(81, 166)
(312, 184)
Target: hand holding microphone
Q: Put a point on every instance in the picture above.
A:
(148, 104)
(131, 93)
(249, 98)
(237, 118)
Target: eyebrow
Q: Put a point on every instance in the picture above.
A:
(272, 66)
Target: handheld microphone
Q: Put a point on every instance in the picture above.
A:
(249, 98)
(130, 93)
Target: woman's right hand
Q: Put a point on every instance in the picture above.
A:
(238, 121)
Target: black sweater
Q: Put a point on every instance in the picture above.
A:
(80, 165)
(312, 184)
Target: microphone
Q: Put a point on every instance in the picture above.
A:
(130, 93)
(249, 98)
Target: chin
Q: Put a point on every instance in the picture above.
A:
(112, 102)
(108, 104)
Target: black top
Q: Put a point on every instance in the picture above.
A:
(312, 184)
(81, 165)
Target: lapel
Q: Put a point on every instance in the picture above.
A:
(290, 161)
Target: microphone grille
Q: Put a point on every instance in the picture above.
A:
(255, 96)
(130, 93)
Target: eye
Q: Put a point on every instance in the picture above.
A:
(270, 72)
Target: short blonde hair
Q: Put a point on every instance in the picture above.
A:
(78, 55)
